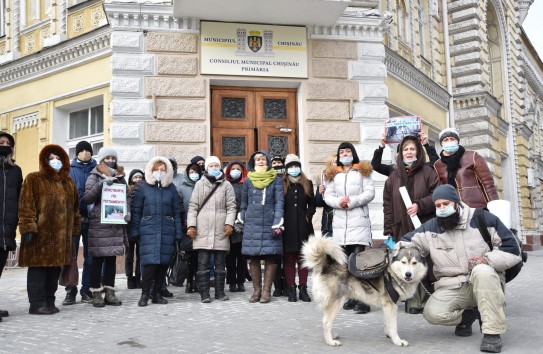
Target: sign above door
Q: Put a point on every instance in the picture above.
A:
(253, 50)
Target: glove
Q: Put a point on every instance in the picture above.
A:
(109, 180)
(127, 217)
(27, 238)
(228, 230)
(277, 233)
(238, 228)
(191, 232)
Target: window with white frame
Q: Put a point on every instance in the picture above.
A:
(37, 10)
(402, 20)
(2, 18)
(86, 124)
(423, 27)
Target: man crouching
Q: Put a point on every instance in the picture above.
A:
(469, 275)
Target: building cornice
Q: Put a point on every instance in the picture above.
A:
(533, 76)
(26, 121)
(404, 71)
(66, 55)
(477, 99)
(354, 25)
(148, 17)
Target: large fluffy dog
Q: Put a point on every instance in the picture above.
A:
(333, 284)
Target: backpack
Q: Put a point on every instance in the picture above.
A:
(512, 272)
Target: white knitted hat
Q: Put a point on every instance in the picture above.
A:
(212, 159)
(105, 152)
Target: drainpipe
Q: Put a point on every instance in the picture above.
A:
(450, 117)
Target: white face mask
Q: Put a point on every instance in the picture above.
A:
(56, 164)
(159, 175)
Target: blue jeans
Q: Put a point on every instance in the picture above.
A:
(87, 260)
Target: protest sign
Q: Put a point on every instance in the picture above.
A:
(398, 128)
(113, 203)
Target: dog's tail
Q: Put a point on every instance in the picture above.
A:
(319, 251)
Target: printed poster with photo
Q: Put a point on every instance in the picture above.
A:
(113, 203)
(398, 128)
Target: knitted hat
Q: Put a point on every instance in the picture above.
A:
(83, 145)
(195, 159)
(449, 132)
(10, 138)
(133, 174)
(105, 152)
(212, 159)
(291, 160)
(447, 192)
(278, 158)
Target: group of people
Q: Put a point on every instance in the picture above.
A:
(261, 212)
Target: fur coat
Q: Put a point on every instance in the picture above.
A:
(49, 209)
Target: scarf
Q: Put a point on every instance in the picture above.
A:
(295, 179)
(262, 179)
(453, 164)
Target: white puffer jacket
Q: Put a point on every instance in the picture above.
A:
(352, 225)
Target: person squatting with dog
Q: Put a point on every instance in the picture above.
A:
(470, 277)
(349, 193)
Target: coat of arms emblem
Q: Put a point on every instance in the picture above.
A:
(254, 41)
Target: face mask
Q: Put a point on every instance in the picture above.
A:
(5, 150)
(451, 147)
(235, 174)
(194, 176)
(294, 172)
(409, 163)
(111, 164)
(159, 175)
(445, 212)
(215, 172)
(56, 164)
(346, 161)
(279, 169)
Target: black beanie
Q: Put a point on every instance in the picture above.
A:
(195, 159)
(83, 145)
(445, 191)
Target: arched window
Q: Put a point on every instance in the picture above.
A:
(424, 28)
(494, 52)
(402, 17)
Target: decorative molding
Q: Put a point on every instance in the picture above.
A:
(23, 122)
(533, 76)
(404, 71)
(523, 130)
(148, 17)
(83, 49)
(477, 99)
(352, 26)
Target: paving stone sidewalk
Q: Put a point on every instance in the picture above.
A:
(236, 326)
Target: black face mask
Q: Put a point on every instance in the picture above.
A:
(5, 150)
(111, 164)
(279, 169)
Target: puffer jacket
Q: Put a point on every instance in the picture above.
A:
(238, 189)
(261, 210)
(450, 250)
(352, 225)
(474, 182)
(79, 172)
(219, 210)
(156, 216)
(105, 240)
(11, 180)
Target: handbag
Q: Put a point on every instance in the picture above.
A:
(369, 264)
(178, 269)
(69, 274)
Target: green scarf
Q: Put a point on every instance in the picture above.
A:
(262, 179)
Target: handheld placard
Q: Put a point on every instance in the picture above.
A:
(408, 203)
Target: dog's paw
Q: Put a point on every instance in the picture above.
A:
(334, 343)
(400, 342)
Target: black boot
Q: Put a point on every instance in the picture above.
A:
(464, 327)
(233, 288)
(292, 293)
(361, 307)
(220, 276)
(144, 299)
(157, 298)
(202, 277)
(131, 282)
(70, 296)
(492, 343)
(278, 284)
(138, 282)
(349, 304)
(304, 296)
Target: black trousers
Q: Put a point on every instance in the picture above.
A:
(203, 260)
(41, 286)
(3, 260)
(133, 251)
(193, 265)
(153, 274)
(110, 265)
(236, 265)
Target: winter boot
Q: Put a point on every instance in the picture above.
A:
(189, 288)
(158, 294)
(202, 277)
(70, 296)
(463, 329)
(269, 274)
(131, 282)
(241, 288)
(304, 296)
(292, 293)
(138, 282)
(111, 298)
(233, 288)
(144, 299)
(349, 304)
(256, 275)
(220, 276)
(492, 343)
(278, 285)
(97, 300)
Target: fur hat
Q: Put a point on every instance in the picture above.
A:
(105, 152)
(449, 132)
(83, 145)
(291, 160)
(10, 138)
(212, 159)
(445, 191)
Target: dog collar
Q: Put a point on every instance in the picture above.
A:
(392, 293)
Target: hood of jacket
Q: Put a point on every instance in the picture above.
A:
(251, 164)
(49, 171)
(132, 173)
(187, 179)
(149, 172)
(421, 155)
(243, 171)
(363, 167)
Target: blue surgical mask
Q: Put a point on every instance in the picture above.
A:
(159, 175)
(110, 164)
(346, 161)
(194, 176)
(235, 174)
(450, 147)
(215, 172)
(409, 163)
(56, 164)
(443, 213)
(294, 171)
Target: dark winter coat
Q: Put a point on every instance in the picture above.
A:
(11, 180)
(105, 240)
(156, 216)
(236, 237)
(327, 211)
(79, 172)
(420, 183)
(299, 211)
(49, 209)
(261, 210)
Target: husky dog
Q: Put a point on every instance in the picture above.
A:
(333, 284)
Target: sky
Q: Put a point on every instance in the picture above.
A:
(532, 26)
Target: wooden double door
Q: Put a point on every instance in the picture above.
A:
(244, 120)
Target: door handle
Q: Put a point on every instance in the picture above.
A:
(283, 129)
